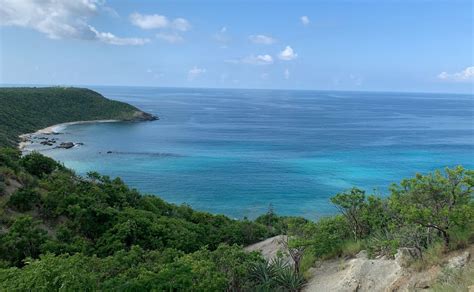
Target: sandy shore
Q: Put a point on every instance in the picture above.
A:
(26, 138)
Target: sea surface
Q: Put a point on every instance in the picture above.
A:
(237, 152)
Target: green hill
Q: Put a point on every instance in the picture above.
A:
(26, 110)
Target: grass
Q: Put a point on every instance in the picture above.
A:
(456, 281)
(432, 256)
(351, 248)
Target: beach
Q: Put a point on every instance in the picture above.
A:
(26, 139)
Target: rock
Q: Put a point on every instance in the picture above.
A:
(271, 248)
(362, 255)
(424, 284)
(357, 274)
(66, 145)
(405, 255)
(143, 116)
(108, 152)
(459, 261)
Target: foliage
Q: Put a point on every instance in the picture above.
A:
(436, 201)
(23, 239)
(275, 275)
(38, 165)
(351, 205)
(95, 233)
(25, 110)
(23, 199)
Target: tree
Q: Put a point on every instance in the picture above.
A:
(38, 165)
(438, 201)
(23, 239)
(351, 204)
(23, 199)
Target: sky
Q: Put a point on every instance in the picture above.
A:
(361, 45)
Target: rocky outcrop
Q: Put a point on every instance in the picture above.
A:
(140, 116)
(357, 274)
(66, 145)
(271, 247)
(459, 261)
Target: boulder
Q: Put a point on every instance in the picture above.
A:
(459, 261)
(405, 255)
(66, 145)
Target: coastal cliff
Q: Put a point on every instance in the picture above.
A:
(26, 110)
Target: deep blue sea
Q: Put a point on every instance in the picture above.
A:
(235, 152)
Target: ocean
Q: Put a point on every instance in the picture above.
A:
(240, 152)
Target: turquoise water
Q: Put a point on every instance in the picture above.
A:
(238, 151)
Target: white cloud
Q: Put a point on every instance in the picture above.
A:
(181, 24)
(171, 38)
(66, 19)
(194, 72)
(466, 75)
(156, 21)
(287, 74)
(287, 54)
(111, 39)
(258, 60)
(262, 39)
(305, 20)
(153, 21)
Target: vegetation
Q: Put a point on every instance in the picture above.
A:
(431, 214)
(59, 231)
(62, 231)
(25, 110)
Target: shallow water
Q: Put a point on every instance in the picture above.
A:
(238, 151)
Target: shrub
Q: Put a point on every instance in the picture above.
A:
(38, 165)
(23, 199)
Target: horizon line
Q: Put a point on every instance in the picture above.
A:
(229, 88)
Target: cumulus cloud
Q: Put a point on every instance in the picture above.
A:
(466, 75)
(287, 54)
(258, 60)
(67, 19)
(194, 72)
(262, 39)
(171, 38)
(305, 20)
(156, 21)
(149, 21)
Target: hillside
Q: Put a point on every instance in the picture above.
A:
(61, 231)
(25, 110)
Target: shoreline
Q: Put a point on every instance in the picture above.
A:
(25, 139)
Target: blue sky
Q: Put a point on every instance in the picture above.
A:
(327, 45)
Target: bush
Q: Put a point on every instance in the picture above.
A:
(23, 199)
(38, 165)
(3, 185)
(276, 275)
(23, 239)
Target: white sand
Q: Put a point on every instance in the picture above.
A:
(26, 138)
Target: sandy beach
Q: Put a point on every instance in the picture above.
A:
(26, 138)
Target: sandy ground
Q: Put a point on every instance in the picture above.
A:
(26, 138)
